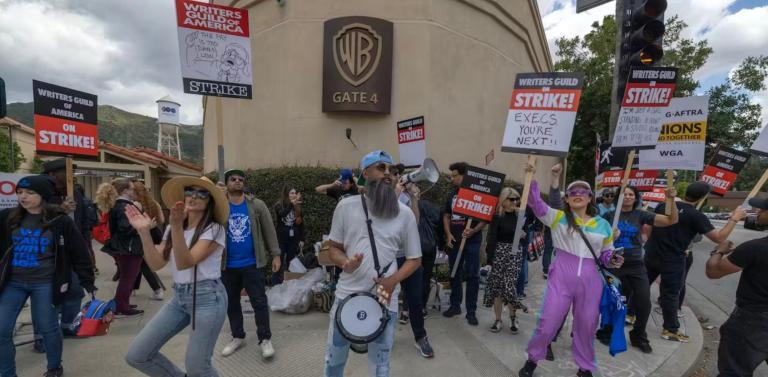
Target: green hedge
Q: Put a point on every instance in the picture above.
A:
(267, 184)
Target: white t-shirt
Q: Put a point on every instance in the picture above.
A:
(210, 268)
(349, 229)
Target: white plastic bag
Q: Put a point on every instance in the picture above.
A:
(296, 266)
(294, 296)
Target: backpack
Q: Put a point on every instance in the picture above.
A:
(91, 214)
(100, 232)
(95, 318)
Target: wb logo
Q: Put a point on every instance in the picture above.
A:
(362, 315)
(167, 109)
(356, 52)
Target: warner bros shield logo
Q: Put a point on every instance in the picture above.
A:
(357, 51)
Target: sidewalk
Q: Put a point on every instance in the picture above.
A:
(461, 350)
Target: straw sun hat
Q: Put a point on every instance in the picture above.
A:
(173, 191)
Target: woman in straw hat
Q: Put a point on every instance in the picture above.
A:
(192, 247)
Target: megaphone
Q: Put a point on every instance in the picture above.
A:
(427, 172)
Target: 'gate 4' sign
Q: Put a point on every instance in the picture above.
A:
(542, 113)
(648, 92)
(723, 169)
(65, 121)
(479, 194)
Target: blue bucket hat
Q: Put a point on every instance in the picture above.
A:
(375, 157)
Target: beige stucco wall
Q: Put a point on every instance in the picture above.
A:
(26, 141)
(454, 63)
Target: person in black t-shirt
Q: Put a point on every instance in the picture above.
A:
(454, 226)
(744, 336)
(290, 228)
(665, 252)
(340, 188)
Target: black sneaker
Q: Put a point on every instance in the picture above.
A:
(425, 349)
(584, 373)
(550, 355)
(67, 333)
(471, 319)
(56, 372)
(640, 342)
(403, 318)
(513, 327)
(130, 313)
(452, 311)
(527, 369)
(496, 326)
(424, 313)
(604, 335)
(545, 276)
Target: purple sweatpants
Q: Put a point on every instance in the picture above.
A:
(566, 287)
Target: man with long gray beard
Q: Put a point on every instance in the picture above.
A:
(394, 228)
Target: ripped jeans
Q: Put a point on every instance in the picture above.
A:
(378, 351)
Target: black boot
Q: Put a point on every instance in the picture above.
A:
(550, 354)
(640, 341)
(527, 370)
(584, 373)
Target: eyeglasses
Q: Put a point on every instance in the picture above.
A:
(237, 179)
(194, 193)
(578, 192)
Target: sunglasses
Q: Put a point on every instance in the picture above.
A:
(608, 195)
(237, 179)
(194, 193)
(578, 192)
(514, 198)
(383, 167)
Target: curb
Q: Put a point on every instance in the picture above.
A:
(687, 357)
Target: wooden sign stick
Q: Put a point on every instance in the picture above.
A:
(70, 181)
(461, 249)
(624, 182)
(523, 204)
(670, 183)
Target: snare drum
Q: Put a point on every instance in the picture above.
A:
(360, 318)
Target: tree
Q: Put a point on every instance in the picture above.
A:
(5, 154)
(595, 55)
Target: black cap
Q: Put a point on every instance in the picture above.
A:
(40, 184)
(233, 172)
(55, 165)
(761, 203)
(697, 190)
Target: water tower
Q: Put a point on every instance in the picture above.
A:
(168, 141)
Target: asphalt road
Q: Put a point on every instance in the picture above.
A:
(714, 300)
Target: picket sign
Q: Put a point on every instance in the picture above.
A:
(461, 248)
(624, 181)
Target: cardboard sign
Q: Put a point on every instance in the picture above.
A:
(682, 138)
(612, 158)
(656, 195)
(723, 168)
(760, 146)
(542, 113)
(65, 121)
(643, 180)
(8, 189)
(215, 49)
(649, 90)
(479, 194)
(411, 138)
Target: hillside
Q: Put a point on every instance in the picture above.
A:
(127, 129)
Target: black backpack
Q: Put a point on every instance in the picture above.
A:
(91, 214)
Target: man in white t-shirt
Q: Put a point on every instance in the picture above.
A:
(394, 228)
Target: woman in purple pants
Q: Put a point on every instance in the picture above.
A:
(574, 279)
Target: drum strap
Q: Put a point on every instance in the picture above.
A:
(368, 222)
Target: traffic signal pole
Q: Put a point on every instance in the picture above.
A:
(617, 71)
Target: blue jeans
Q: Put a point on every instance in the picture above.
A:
(72, 303)
(44, 318)
(470, 266)
(379, 351)
(144, 352)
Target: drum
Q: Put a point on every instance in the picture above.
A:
(360, 318)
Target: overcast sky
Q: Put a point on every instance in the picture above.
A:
(126, 52)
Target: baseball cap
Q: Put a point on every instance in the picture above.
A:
(579, 184)
(375, 157)
(761, 203)
(345, 175)
(697, 190)
(233, 172)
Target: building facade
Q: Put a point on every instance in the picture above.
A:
(453, 62)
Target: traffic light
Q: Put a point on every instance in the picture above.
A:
(642, 34)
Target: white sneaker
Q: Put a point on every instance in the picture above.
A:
(158, 295)
(232, 346)
(267, 351)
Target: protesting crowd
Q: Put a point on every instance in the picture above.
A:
(218, 241)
